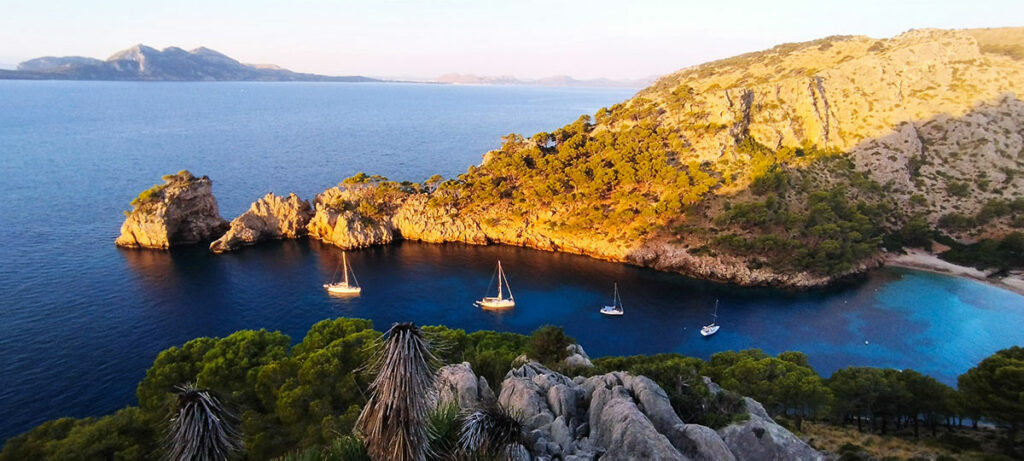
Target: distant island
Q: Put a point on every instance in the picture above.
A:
(143, 63)
(558, 80)
(173, 64)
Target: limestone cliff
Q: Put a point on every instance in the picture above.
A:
(179, 212)
(785, 167)
(919, 113)
(269, 218)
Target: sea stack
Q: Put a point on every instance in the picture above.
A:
(270, 218)
(181, 211)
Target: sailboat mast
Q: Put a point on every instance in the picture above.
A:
(501, 276)
(344, 261)
(716, 311)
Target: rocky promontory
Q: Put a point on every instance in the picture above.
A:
(181, 211)
(791, 167)
(616, 416)
(270, 218)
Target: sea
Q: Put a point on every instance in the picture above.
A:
(81, 320)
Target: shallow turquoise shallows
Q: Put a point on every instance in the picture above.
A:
(80, 320)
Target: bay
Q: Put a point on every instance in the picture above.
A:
(80, 320)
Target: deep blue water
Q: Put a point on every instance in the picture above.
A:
(80, 320)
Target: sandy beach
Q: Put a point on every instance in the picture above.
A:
(923, 260)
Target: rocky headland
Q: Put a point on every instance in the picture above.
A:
(181, 211)
(791, 167)
(617, 416)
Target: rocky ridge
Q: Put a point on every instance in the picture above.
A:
(182, 211)
(616, 416)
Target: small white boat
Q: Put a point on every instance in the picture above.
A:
(711, 328)
(500, 301)
(345, 286)
(616, 307)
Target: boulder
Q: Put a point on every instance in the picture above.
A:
(523, 396)
(269, 218)
(617, 425)
(700, 443)
(182, 211)
(577, 358)
(761, 438)
(458, 383)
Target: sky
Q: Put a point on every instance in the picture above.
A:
(421, 39)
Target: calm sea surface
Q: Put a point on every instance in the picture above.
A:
(80, 320)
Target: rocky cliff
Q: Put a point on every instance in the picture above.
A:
(787, 167)
(180, 211)
(784, 167)
(269, 218)
(616, 416)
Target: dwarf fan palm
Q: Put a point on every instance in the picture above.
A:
(394, 423)
(495, 432)
(202, 429)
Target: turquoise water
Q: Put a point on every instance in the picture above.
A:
(80, 320)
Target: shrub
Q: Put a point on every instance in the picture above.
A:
(548, 345)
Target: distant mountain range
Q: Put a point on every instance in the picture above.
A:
(143, 63)
(560, 80)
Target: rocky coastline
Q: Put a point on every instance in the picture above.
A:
(186, 213)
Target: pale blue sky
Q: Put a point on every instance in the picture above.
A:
(526, 38)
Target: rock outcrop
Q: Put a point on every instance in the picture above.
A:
(616, 416)
(269, 218)
(760, 438)
(458, 383)
(181, 211)
(337, 221)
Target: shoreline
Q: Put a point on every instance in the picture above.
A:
(921, 260)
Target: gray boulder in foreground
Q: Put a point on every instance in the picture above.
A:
(617, 416)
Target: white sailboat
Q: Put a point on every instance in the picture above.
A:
(345, 286)
(616, 307)
(711, 328)
(500, 301)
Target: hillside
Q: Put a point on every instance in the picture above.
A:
(791, 166)
(141, 62)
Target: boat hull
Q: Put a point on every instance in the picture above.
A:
(709, 330)
(610, 310)
(342, 289)
(496, 303)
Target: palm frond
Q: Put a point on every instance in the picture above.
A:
(394, 422)
(202, 429)
(444, 429)
(494, 431)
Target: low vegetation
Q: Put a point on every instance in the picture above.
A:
(156, 192)
(302, 401)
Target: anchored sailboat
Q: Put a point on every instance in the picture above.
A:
(500, 301)
(345, 286)
(711, 328)
(616, 307)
